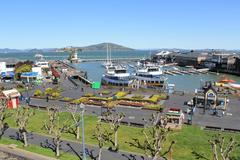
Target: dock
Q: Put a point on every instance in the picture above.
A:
(186, 72)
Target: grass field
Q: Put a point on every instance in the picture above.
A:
(189, 139)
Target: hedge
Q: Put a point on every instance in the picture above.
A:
(38, 92)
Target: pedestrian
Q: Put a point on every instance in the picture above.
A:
(47, 98)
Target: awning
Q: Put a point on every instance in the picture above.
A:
(11, 93)
(29, 74)
(7, 74)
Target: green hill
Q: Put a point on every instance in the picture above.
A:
(103, 47)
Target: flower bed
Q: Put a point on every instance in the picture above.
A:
(97, 103)
(137, 100)
(133, 104)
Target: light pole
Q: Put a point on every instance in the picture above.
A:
(83, 140)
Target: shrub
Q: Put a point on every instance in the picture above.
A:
(55, 95)
(106, 92)
(155, 98)
(48, 91)
(163, 96)
(80, 100)
(88, 95)
(111, 104)
(67, 99)
(121, 94)
(38, 92)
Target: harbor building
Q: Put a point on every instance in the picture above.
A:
(191, 59)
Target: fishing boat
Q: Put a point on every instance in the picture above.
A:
(117, 76)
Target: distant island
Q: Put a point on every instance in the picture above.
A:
(103, 47)
(95, 47)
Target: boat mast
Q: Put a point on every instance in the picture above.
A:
(110, 55)
(107, 54)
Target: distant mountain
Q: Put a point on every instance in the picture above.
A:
(8, 50)
(103, 47)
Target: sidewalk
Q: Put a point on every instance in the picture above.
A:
(11, 149)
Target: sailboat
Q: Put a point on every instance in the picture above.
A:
(108, 61)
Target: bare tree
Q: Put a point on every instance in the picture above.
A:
(52, 118)
(114, 122)
(22, 117)
(155, 136)
(221, 148)
(56, 129)
(3, 116)
(102, 136)
(76, 116)
(57, 133)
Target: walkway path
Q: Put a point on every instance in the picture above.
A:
(11, 149)
(73, 147)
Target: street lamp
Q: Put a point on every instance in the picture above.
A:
(82, 106)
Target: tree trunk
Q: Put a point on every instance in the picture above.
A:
(78, 132)
(57, 148)
(156, 157)
(50, 131)
(215, 156)
(25, 139)
(115, 139)
(100, 154)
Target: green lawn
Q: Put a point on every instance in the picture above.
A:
(190, 138)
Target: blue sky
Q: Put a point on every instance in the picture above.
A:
(134, 23)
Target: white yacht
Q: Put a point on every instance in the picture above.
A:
(40, 61)
(117, 76)
(150, 76)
